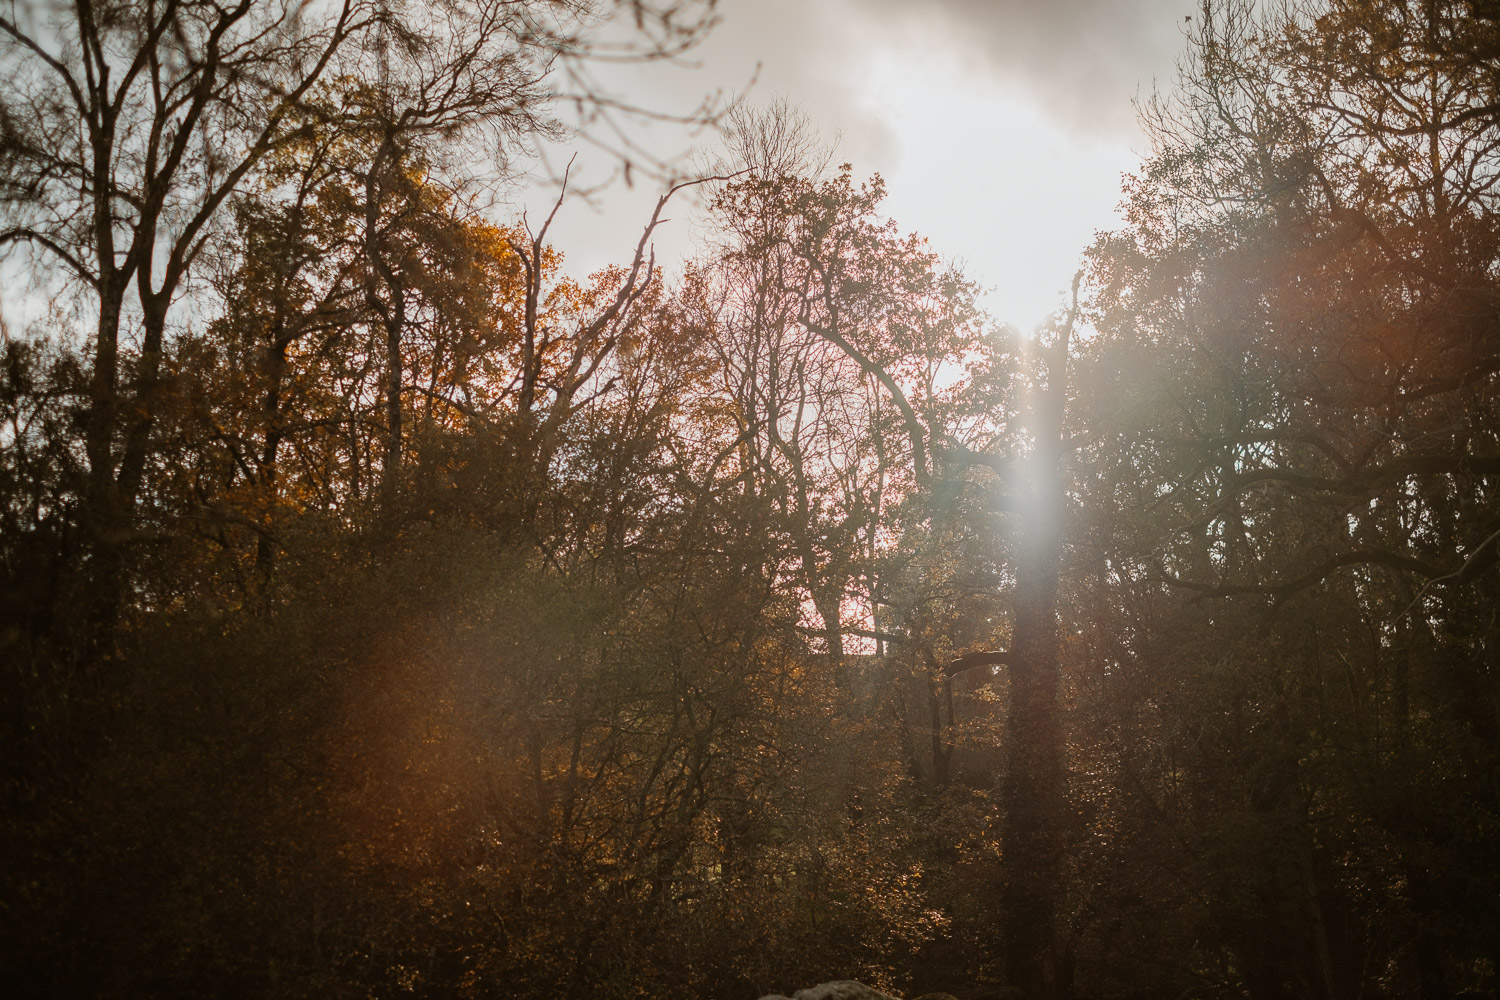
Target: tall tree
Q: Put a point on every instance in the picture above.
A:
(1305, 302)
(1034, 792)
(127, 128)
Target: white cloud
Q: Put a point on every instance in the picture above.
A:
(1002, 126)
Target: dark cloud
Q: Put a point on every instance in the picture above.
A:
(1084, 60)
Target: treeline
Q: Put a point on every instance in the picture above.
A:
(385, 612)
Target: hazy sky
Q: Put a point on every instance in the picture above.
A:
(1001, 126)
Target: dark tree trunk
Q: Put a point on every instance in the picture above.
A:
(391, 483)
(1033, 792)
(104, 519)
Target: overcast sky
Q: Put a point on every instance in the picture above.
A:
(1002, 127)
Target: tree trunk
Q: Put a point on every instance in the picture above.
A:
(1033, 792)
(275, 373)
(391, 312)
(391, 481)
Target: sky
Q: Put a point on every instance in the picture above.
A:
(1002, 127)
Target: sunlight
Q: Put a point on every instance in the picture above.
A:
(391, 606)
(992, 182)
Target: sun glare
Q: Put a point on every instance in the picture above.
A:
(992, 182)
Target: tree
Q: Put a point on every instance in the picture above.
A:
(834, 324)
(129, 127)
(296, 358)
(841, 331)
(119, 126)
(1296, 371)
(1034, 793)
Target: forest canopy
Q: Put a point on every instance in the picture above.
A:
(387, 610)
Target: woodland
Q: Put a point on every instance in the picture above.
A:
(386, 611)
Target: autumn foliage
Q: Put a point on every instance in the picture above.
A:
(387, 610)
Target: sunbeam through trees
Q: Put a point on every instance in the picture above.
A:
(388, 609)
